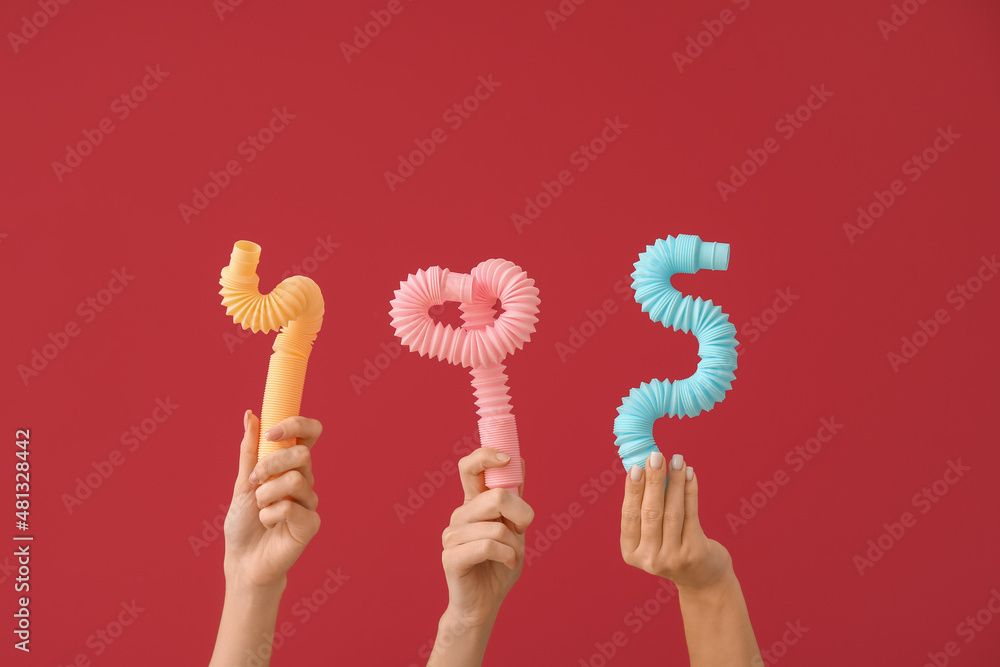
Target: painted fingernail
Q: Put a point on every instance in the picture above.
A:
(635, 474)
(253, 477)
(677, 462)
(690, 472)
(274, 433)
(656, 460)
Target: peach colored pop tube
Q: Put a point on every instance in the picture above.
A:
(296, 306)
(481, 344)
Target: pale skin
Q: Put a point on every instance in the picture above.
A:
(271, 519)
(661, 534)
(483, 556)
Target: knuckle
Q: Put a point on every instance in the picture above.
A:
(673, 516)
(651, 515)
(631, 515)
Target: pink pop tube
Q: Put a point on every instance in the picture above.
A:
(481, 344)
(296, 306)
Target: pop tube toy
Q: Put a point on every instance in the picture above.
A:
(296, 306)
(716, 343)
(481, 344)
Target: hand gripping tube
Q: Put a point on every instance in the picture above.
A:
(295, 305)
(481, 344)
(716, 343)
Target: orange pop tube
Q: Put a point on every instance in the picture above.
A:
(296, 306)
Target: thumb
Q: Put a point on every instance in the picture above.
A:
(248, 452)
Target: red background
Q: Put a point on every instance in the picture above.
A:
(164, 335)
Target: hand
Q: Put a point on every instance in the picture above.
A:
(484, 544)
(660, 529)
(271, 518)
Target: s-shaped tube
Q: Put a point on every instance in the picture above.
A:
(481, 344)
(716, 343)
(296, 306)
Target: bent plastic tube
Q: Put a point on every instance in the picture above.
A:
(716, 343)
(295, 305)
(481, 344)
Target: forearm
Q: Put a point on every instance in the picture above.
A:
(247, 626)
(459, 643)
(717, 625)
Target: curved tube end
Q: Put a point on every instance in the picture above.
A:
(244, 259)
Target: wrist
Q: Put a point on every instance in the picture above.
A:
(458, 621)
(718, 592)
(242, 588)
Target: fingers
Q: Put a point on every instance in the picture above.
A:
(692, 526)
(673, 513)
(484, 531)
(293, 485)
(306, 430)
(495, 504)
(293, 458)
(302, 524)
(471, 469)
(632, 511)
(651, 513)
(248, 451)
(464, 557)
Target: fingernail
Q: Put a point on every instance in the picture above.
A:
(677, 462)
(690, 473)
(253, 477)
(274, 433)
(502, 457)
(246, 419)
(635, 473)
(656, 460)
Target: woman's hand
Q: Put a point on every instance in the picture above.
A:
(270, 522)
(483, 557)
(661, 533)
(273, 513)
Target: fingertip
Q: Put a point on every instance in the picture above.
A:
(689, 473)
(634, 474)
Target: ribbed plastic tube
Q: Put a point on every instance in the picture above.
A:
(296, 306)
(716, 343)
(481, 344)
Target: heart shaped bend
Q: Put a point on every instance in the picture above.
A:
(481, 344)
(482, 340)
